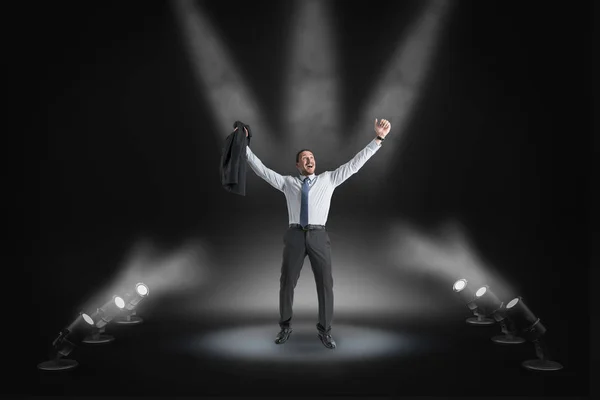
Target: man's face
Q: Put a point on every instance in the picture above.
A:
(306, 163)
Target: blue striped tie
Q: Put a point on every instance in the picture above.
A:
(304, 203)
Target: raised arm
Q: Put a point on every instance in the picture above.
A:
(272, 177)
(382, 128)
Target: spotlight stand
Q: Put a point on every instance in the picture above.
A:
(480, 319)
(57, 363)
(98, 337)
(508, 337)
(461, 288)
(130, 319)
(533, 330)
(66, 341)
(543, 362)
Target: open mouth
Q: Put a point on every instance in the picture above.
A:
(309, 166)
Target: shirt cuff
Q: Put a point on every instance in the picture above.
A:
(373, 145)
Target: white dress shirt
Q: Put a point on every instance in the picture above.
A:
(321, 186)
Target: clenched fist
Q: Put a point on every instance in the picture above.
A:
(246, 130)
(382, 128)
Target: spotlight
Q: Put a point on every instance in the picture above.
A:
(489, 305)
(532, 330)
(466, 294)
(66, 341)
(101, 318)
(130, 317)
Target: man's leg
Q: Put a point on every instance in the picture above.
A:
(318, 248)
(294, 253)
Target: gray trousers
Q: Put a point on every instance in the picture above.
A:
(297, 245)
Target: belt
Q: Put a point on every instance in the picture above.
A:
(308, 227)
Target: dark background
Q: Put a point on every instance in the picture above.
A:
(123, 144)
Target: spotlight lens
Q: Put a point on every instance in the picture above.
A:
(512, 303)
(141, 289)
(481, 291)
(460, 285)
(87, 319)
(119, 302)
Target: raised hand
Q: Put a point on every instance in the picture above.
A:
(382, 128)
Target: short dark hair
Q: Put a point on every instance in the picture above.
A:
(300, 152)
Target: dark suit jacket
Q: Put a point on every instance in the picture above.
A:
(233, 160)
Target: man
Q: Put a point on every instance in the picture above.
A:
(308, 199)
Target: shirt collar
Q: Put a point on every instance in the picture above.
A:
(312, 177)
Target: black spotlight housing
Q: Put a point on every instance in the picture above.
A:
(102, 317)
(532, 329)
(490, 305)
(129, 314)
(67, 340)
(466, 294)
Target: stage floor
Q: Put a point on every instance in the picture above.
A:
(167, 355)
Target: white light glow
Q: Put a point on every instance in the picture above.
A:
(460, 285)
(165, 270)
(255, 343)
(445, 252)
(87, 319)
(179, 269)
(312, 113)
(481, 291)
(399, 87)
(512, 303)
(119, 302)
(219, 80)
(141, 289)
(361, 283)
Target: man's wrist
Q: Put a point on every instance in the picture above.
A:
(379, 139)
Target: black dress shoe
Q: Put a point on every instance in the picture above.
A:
(327, 340)
(283, 335)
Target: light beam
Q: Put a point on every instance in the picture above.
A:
(399, 87)
(447, 255)
(179, 270)
(312, 83)
(218, 79)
